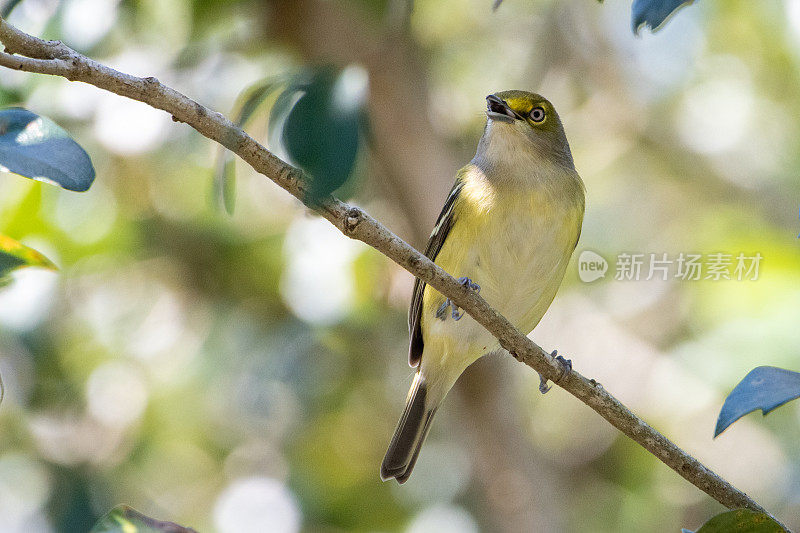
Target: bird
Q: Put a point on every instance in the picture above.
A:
(507, 229)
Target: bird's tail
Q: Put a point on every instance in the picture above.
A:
(410, 433)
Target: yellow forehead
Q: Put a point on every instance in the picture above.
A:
(522, 101)
(522, 105)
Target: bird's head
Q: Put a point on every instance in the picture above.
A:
(523, 123)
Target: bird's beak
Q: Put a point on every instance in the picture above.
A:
(497, 109)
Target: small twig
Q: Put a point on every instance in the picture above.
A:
(27, 53)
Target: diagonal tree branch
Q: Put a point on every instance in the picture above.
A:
(30, 54)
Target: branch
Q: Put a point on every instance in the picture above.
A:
(29, 54)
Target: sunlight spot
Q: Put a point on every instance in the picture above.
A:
(126, 127)
(33, 133)
(318, 283)
(27, 300)
(793, 17)
(85, 22)
(24, 490)
(116, 394)
(351, 88)
(257, 504)
(443, 519)
(716, 115)
(77, 100)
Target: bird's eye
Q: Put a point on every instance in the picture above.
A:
(537, 114)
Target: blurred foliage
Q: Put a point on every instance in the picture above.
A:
(7, 7)
(37, 148)
(225, 179)
(740, 521)
(219, 370)
(319, 119)
(648, 13)
(765, 388)
(123, 519)
(15, 255)
(316, 121)
(653, 13)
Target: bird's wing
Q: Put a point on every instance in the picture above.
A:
(438, 235)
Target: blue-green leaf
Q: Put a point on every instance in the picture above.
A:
(653, 13)
(37, 148)
(322, 130)
(740, 521)
(123, 519)
(765, 388)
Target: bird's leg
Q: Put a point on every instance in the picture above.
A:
(468, 283)
(566, 368)
(441, 313)
(456, 313)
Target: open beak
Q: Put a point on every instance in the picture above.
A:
(497, 109)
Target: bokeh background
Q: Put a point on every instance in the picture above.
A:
(244, 373)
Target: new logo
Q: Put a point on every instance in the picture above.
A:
(591, 266)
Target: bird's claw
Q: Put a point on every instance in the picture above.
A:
(468, 283)
(566, 365)
(566, 368)
(456, 312)
(544, 387)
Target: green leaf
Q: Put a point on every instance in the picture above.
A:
(254, 96)
(225, 181)
(740, 521)
(322, 130)
(653, 13)
(250, 101)
(14, 255)
(37, 148)
(765, 388)
(124, 519)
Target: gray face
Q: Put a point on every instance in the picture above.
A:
(523, 129)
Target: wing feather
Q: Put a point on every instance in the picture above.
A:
(443, 225)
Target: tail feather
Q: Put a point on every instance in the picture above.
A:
(410, 433)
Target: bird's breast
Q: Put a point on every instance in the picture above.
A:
(516, 260)
(514, 244)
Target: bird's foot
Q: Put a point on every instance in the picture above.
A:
(544, 386)
(456, 312)
(566, 368)
(468, 283)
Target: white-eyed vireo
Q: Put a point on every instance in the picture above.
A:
(508, 227)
